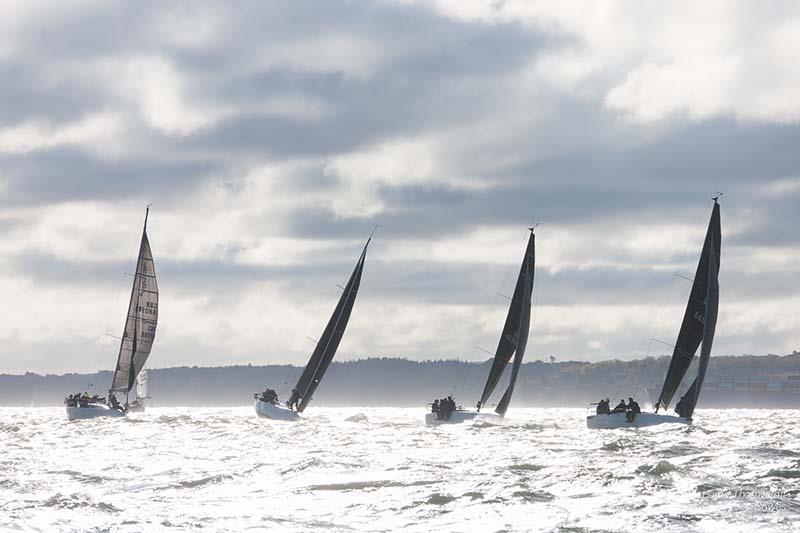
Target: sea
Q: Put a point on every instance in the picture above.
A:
(382, 469)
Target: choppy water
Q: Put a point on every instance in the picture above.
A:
(180, 469)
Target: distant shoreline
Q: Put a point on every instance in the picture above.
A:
(732, 381)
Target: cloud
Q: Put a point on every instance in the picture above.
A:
(272, 138)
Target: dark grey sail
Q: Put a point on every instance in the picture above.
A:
(141, 321)
(329, 341)
(515, 331)
(524, 328)
(709, 327)
(691, 332)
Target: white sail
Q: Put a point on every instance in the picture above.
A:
(141, 385)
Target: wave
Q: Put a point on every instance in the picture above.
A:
(440, 499)
(208, 480)
(784, 473)
(659, 469)
(533, 495)
(526, 467)
(616, 445)
(300, 466)
(77, 501)
(359, 417)
(373, 484)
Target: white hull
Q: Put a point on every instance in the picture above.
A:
(275, 412)
(458, 416)
(93, 410)
(618, 420)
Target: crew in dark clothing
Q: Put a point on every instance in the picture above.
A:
(633, 410)
(602, 407)
(269, 396)
(435, 408)
(620, 408)
(451, 406)
(294, 400)
(115, 403)
(682, 407)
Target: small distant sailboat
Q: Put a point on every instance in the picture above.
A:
(137, 405)
(698, 327)
(136, 343)
(267, 404)
(513, 341)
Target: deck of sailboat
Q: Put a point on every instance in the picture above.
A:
(274, 411)
(618, 420)
(92, 410)
(458, 416)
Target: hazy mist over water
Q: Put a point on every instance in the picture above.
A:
(381, 469)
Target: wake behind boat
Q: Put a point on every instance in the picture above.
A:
(513, 341)
(267, 404)
(135, 345)
(698, 327)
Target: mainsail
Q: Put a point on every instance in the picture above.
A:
(329, 341)
(140, 323)
(692, 330)
(709, 326)
(515, 331)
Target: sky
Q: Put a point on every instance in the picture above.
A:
(272, 137)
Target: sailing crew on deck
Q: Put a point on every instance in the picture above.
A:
(603, 407)
(620, 408)
(112, 400)
(633, 410)
(435, 408)
(294, 400)
(269, 396)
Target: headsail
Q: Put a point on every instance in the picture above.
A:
(141, 321)
(515, 331)
(329, 341)
(692, 328)
(709, 327)
(142, 385)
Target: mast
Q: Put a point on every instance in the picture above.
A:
(141, 320)
(515, 331)
(692, 330)
(329, 341)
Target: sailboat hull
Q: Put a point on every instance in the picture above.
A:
(459, 416)
(274, 412)
(136, 408)
(618, 420)
(93, 410)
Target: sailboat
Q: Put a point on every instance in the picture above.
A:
(137, 405)
(513, 341)
(135, 344)
(697, 330)
(267, 404)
